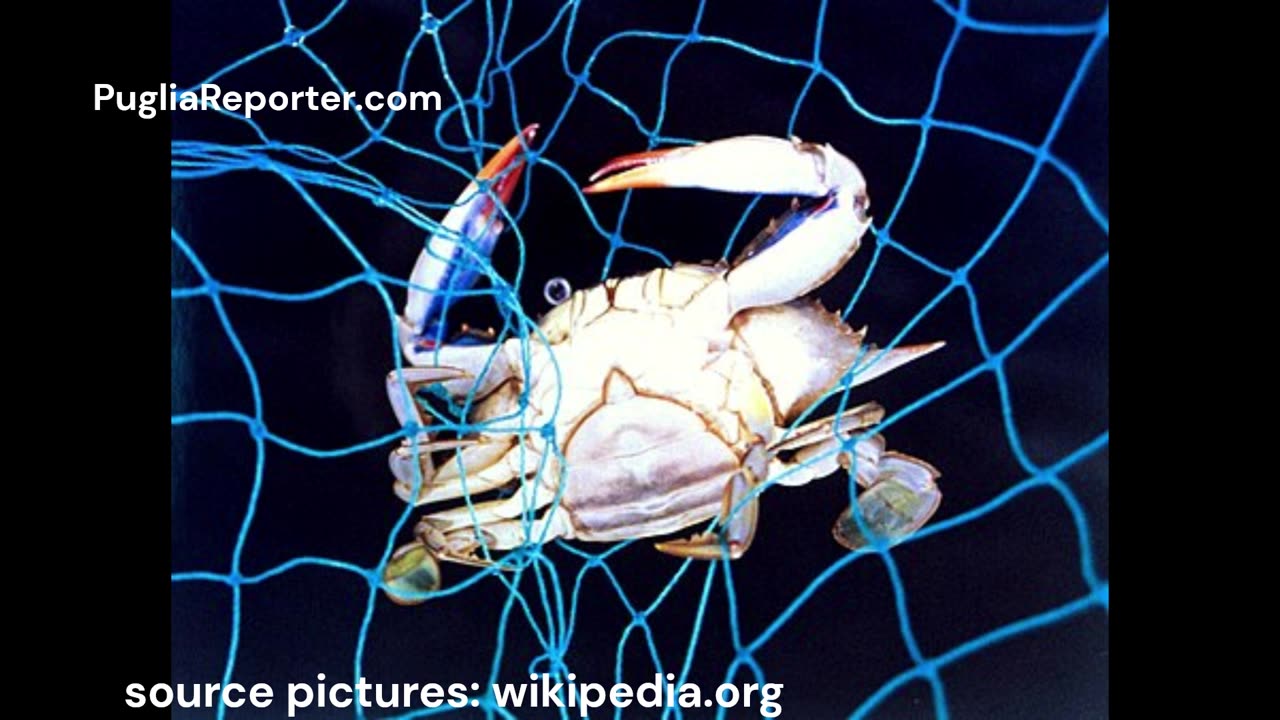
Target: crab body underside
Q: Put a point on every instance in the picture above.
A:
(653, 429)
(648, 405)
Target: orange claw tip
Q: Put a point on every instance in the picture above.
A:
(509, 153)
(507, 164)
(529, 132)
(628, 161)
(624, 172)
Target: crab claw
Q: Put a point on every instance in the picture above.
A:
(804, 247)
(466, 237)
(746, 164)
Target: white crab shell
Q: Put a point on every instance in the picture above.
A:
(656, 393)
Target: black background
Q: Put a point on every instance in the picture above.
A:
(321, 364)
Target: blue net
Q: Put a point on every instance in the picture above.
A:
(982, 131)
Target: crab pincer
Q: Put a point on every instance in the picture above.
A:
(798, 251)
(451, 260)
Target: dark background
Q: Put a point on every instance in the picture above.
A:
(321, 364)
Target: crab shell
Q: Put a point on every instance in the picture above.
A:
(658, 395)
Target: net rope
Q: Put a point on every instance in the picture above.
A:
(551, 612)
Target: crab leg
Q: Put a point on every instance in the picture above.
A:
(491, 363)
(489, 463)
(849, 421)
(414, 379)
(414, 568)
(510, 534)
(900, 493)
(451, 260)
(463, 545)
(903, 498)
(796, 253)
(736, 528)
(739, 514)
(490, 511)
(818, 450)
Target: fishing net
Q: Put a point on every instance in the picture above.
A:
(981, 128)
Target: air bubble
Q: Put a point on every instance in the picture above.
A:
(557, 290)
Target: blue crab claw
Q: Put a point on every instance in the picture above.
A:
(450, 260)
(796, 252)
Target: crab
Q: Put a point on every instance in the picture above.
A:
(648, 405)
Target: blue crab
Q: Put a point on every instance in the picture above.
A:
(669, 396)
